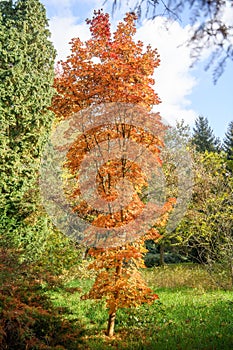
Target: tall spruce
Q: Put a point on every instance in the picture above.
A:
(26, 78)
(228, 141)
(203, 137)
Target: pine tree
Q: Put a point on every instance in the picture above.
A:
(228, 141)
(26, 78)
(203, 137)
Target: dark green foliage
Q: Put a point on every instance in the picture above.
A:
(203, 137)
(152, 260)
(26, 78)
(228, 144)
(171, 254)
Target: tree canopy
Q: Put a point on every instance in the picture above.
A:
(106, 69)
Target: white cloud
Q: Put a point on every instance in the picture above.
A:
(227, 16)
(63, 29)
(65, 25)
(173, 79)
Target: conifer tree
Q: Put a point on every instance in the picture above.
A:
(26, 78)
(203, 137)
(228, 141)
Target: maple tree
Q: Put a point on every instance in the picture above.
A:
(107, 69)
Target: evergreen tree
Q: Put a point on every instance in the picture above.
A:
(26, 78)
(228, 141)
(203, 137)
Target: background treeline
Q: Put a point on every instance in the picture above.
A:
(205, 234)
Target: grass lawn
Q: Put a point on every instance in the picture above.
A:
(190, 314)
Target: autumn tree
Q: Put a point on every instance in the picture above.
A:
(210, 26)
(108, 69)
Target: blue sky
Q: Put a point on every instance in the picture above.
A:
(185, 93)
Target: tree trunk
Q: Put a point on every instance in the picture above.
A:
(161, 255)
(85, 254)
(112, 316)
(111, 324)
(231, 272)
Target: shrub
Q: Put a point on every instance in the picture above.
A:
(28, 320)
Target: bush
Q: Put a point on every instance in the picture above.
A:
(152, 259)
(28, 320)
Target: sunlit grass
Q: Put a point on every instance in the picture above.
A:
(186, 275)
(188, 315)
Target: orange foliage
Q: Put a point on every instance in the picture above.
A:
(112, 68)
(106, 69)
(119, 279)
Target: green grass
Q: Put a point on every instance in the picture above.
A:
(190, 314)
